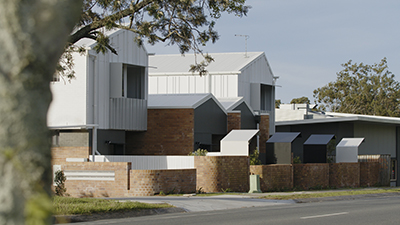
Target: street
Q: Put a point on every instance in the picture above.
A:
(377, 210)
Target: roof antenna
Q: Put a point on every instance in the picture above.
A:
(245, 39)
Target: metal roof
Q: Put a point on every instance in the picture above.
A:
(224, 63)
(319, 139)
(283, 137)
(180, 101)
(240, 135)
(350, 142)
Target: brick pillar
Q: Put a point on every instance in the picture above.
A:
(263, 136)
(234, 120)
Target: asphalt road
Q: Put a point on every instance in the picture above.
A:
(377, 210)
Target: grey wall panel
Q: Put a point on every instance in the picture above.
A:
(379, 139)
(247, 117)
(210, 118)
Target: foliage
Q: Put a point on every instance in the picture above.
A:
(362, 89)
(277, 103)
(69, 206)
(302, 100)
(189, 24)
(296, 160)
(255, 157)
(200, 191)
(199, 152)
(226, 190)
(59, 180)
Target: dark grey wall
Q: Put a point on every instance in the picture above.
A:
(398, 154)
(209, 119)
(117, 139)
(247, 117)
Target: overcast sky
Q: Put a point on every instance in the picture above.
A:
(307, 41)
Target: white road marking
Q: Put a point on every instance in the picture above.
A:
(326, 215)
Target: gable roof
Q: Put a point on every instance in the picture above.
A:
(180, 101)
(224, 63)
(231, 103)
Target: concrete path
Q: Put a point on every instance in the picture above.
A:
(210, 203)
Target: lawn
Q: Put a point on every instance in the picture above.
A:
(73, 206)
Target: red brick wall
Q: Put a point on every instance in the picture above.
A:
(344, 175)
(369, 173)
(169, 132)
(264, 132)
(311, 175)
(95, 188)
(215, 173)
(274, 177)
(59, 154)
(234, 121)
(150, 182)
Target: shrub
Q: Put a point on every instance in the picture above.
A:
(255, 157)
(60, 183)
(199, 152)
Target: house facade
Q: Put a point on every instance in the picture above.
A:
(107, 97)
(381, 134)
(230, 75)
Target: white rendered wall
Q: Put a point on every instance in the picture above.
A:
(68, 106)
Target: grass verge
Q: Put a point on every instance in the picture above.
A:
(79, 206)
(329, 194)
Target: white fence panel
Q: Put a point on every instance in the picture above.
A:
(150, 162)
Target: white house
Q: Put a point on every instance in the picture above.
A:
(230, 75)
(107, 97)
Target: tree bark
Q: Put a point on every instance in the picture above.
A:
(33, 34)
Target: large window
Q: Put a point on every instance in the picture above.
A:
(135, 82)
(393, 170)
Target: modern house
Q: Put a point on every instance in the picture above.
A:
(106, 99)
(179, 124)
(230, 75)
(381, 134)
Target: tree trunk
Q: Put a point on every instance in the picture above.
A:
(33, 34)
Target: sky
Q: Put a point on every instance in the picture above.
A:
(307, 41)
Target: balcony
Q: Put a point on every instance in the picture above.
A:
(128, 114)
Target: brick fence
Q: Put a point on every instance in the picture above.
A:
(316, 175)
(218, 173)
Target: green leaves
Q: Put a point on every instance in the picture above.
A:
(362, 89)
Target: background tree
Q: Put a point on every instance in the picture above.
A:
(189, 24)
(362, 89)
(277, 103)
(302, 100)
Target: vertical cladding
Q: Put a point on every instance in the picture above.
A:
(274, 177)
(312, 175)
(218, 173)
(169, 132)
(344, 175)
(234, 121)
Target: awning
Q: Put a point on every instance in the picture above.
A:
(319, 139)
(237, 142)
(283, 137)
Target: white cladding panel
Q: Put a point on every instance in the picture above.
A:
(68, 106)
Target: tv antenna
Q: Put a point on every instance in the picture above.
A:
(245, 40)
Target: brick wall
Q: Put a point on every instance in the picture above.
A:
(59, 154)
(150, 182)
(274, 177)
(264, 133)
(311, 175)
(96, 188)
(344, 175)
(368, 173)
(234, 121)
(215, 173)
(169, 132)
